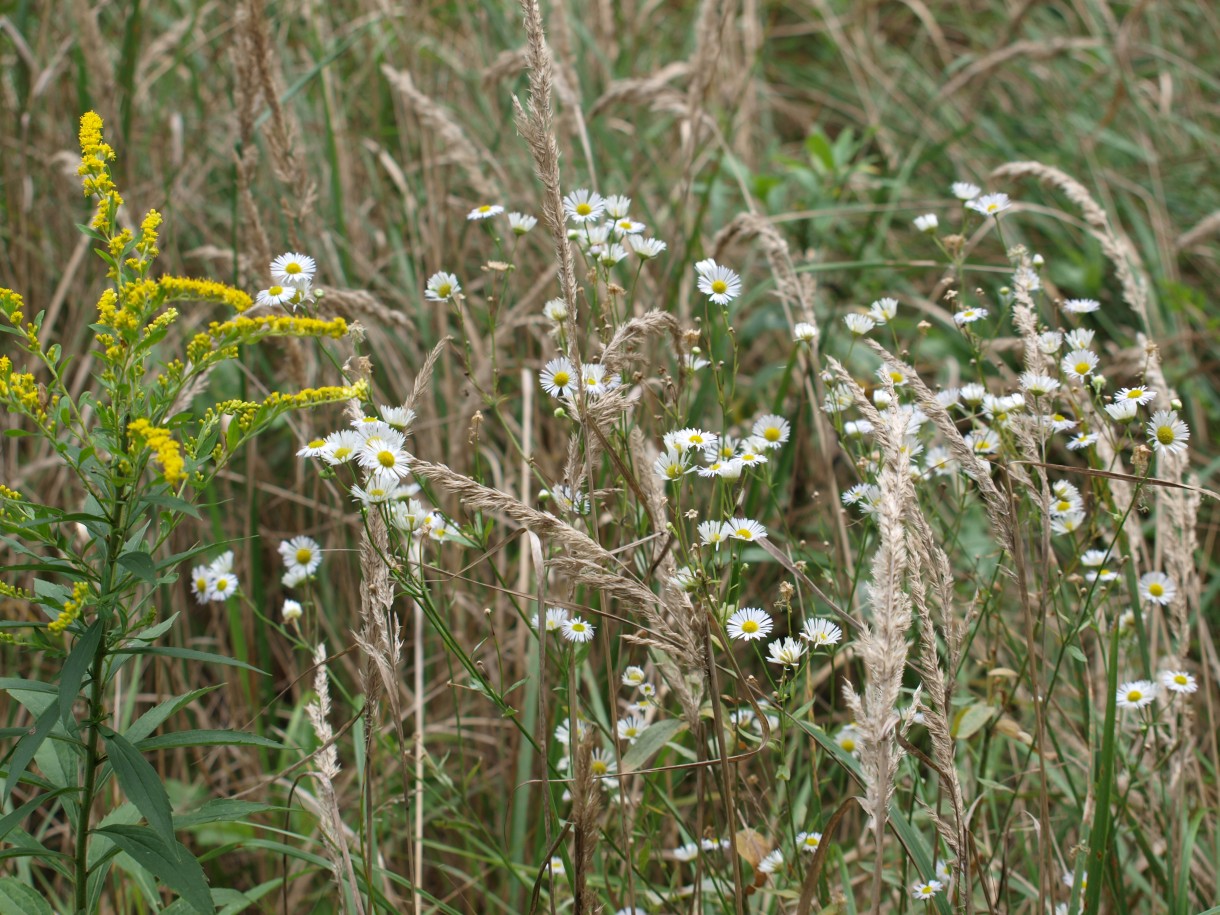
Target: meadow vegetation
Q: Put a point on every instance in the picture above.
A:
(621, 457)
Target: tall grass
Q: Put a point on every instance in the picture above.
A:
(445, 753)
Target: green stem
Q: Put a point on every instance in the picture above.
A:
(91, 761)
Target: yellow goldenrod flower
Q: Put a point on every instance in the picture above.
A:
(167, 451)
(178, 288)
(72, 608)
(220, 340)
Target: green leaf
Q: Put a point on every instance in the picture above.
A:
(971, 719)
(172, 504)
(217, 738)
(74, 670)
(139, 564)
(141, 783)
(171, 863)
(28, 745)
(159, 713)
(221, 810)
(650, 742)
(19, 898)
(11, 820)
(190, 654)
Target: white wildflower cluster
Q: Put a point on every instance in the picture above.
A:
(709, 454)
(291, 281)
(214, 582)
(605, 232)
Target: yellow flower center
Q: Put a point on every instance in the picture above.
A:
(583, 209)
(201, 584)
(812, 841)
(342, 451)
(304, 554)
(1180, 679)
(696, 439)
(1135, 394)
(276, 290)
(443, 290)
(896, 377)
(720, 287)
(848, 745)
(1156, 589)
(1134, 695)
(1164, 435)
(561, 379)
(747, 457)
(771, 434)
(222, 584)
(599, 767)
(673, 471)
(1082, 368)
(485, 208)
(591, 381)
(1058, 418)
(749, 626)
(292, 269)
(317, 443)
(386, 458)
(745, 533)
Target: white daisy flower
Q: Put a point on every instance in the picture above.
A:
(927, 222)
(558, 377)
(276, 295)
(751, 454)
(568, 500)
(301, 553)
(821, 632)
(671, 465)
(893, 374)
(521, 223)
(577, 630)
(385, 455)
(610, 255)
(687, 852)
(989, 204)
(1079, 364)
(375, 492)
(1168, 433)
(1027, 279)
(926, 890)
(964, 190)
(684, 579)
(804, 332)
(1178, 681)
(848, 739)
(294, 269)
(633, 676)
(224, 585)
(884, 310)
(982, 441)
(773, 430)
(859, 324)
(645, 248)
(1080, 338)
(341, 446)
(396, 417)
(630, 728)
(969, 316)
(556, 617)
(486, 211)
(746, 529)
(787, 652)
(1068, 522)
(597, 382)
(617, 206)
(1136, 694)
(857, 428)
(601, 763)
(714, 533)
(973, 394)
(1080, 306)
(584, 206)
(625, 225)
(292, 611)
(838, 398)
(695, 438)
(1137, 394)
(201, 584)
(409, 516)
(315, 447)
(748, 624)
(1082, 440)
(771, 863)
(556, 310)
(1060, 423)
(720, 284)
(441, 287)
(1039, 384)
(370, 427)
(1158, 588)
(1123, 411)
(1050, 342)
(808, 842)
